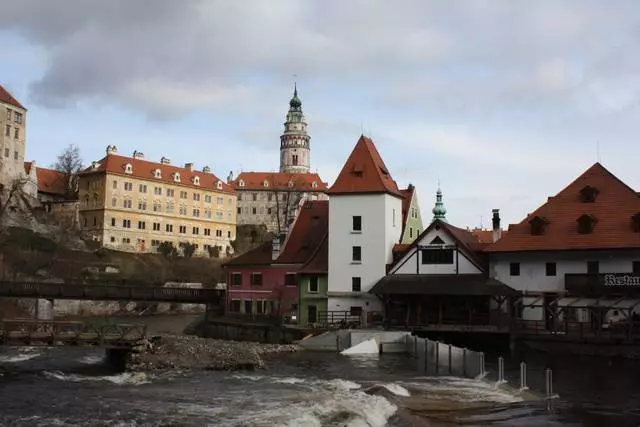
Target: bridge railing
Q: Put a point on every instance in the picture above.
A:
(107, 292)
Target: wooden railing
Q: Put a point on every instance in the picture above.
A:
(50, 333)
(628, 331)
(108, 292)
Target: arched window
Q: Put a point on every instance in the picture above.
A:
(196, 180)
(241, 183)
(128, 168)
(265, 183)
(157, 174)
(176, 177)
(219, 185)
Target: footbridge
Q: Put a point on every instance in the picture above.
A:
(110, 292)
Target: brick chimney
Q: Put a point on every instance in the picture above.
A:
(189, 167)
(495, 220)
(111, 149)
(206, 169)
(165, 161)
(138, 155)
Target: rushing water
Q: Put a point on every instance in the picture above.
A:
(73, 387)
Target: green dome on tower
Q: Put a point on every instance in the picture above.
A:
(439, 211)
(295, 102)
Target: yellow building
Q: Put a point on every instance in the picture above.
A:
(130, 204)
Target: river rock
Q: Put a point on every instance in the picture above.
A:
(188, 352)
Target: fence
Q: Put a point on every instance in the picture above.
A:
(438, 358)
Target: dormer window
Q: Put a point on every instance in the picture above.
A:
(588, 194)
(265, 184)
(635, 223)
(219, 185)
(586, 224)
(538, 225)
(176, 177)
(128, 168)
(437, 241)
(357, 170)
(157, 174)
(314, 184)
(196, 180)
(290, 184)
(241, 183)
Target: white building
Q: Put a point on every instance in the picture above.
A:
(365, 221)
(582, 244)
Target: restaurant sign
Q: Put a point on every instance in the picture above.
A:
(621, 280)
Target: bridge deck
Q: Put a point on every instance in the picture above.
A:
(108, 292)
(51, 333)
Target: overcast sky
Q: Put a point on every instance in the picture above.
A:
(505, 102)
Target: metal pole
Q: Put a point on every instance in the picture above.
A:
(482, 371)
(500, 369)
(549, 382)
(415, 347)
(464, 362)
(437, 357)
(523, 376)
(450, 370)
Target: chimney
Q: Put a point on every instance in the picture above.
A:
(230, 177)
(138, 155)
(495, 219)
(206, 169)
(276, 245)
(165, 161)
(189, 167)
(111, 149)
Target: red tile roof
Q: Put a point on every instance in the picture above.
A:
(50, 181)
(309, 228)
(364, 172)
(279, 181)
(614, 206)
(262, 255)
(7, 98)
(319, 261)
(27, 167)
(407, 196)
(486, 236)
(144, 169)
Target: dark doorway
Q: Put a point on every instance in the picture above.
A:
(312, 314)
(248, 306)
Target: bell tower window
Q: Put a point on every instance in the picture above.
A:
(294, 159)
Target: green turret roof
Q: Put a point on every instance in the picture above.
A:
(439, 211)
(295, 102)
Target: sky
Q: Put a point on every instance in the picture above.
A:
(503, 102)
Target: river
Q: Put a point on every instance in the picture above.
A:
(73, 387)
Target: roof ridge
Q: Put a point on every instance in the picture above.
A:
(6, 97)
(316, 251)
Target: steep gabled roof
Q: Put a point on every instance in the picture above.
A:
(280, 181)
(319, 261)
(307, 233)
(614, 205)
(7, 98)
(260, 256)
(466, 241)
(144, 169)
(364, 172)
(51, 181)
(407, 197)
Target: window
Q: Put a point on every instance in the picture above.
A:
(15, 155)
(269, 197)
(141, 225)
(256, 279)
(235, 305)
(176, 177)
(182, 229)
(410, 232)
(220, 200)
(593, 267)
(357, 223)
(18, 117)
(113, 239)
(170, 192)
(157, 174)
(16, 133)
(128, 168)
(254, 196)
(355, 311)
(196, 197)
(95, 221)
(636, 268)
(356, 254)
(551, 269)
(183, 210)
(156, 226)
(157, 191)
(195, 230)
(155, 242)
(229, 234)
(313, 284)
(169, 207)
(7, 130)
(356, 284)
(239, 211)
(437, 256)
(114, 202)
(514, 269)
(207, 232)
(589, 194)
(115, 184)
(538, 225)
(126, 223)
(9, 113)
(586, 224)
(269, 211)
(219, 185)
(218, 233)
(196, 181)
(126, 240)
(6, 152)
(290, 279)
(157, 206)
(127, 204)
(183, 194)
(113, 222)
(142, 188)
(128, 186)
(207, 213)
(142, 205)
(254, 211)
(196, 212)
(169, 228)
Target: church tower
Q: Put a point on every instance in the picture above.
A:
(295, 151)
(439, 211)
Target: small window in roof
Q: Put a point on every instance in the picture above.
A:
(265, 183)
(314, 184)
(196, 180)
(588, 194)
(437, 241)
(157, 173)
(635, 223)
(290, 184)
(176, 177)
(128, 168)
(586, 224)
(219, 185)
(538, 225)
(241, 183)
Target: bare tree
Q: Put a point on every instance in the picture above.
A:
(11, 194)
(70, 164)
(286, 202)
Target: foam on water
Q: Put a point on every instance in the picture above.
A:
(92, 360)
(464, 390)
(17, 358)
(126, 378)
(398, 390)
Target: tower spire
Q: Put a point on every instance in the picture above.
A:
(439, 211)
(294, 142)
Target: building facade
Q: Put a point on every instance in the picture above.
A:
(365, 217)
(581, 249)
(131, 204)
(13, 120)
(273, 198)
(411, 215)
